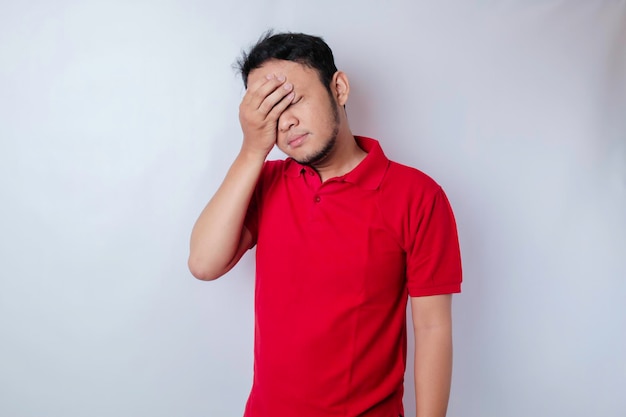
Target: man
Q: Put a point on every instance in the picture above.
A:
(344, 236)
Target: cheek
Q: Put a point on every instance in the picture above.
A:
(323, 117)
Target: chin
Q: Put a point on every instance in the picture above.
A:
(313, 152)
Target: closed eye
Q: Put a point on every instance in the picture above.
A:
(296, 101)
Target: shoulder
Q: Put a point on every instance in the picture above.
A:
(273, 170)
(413, 205)
(405, 182)
(274, 166)
(407, 195)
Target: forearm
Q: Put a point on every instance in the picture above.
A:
(216, 235)
(219, 237)
(433, 369)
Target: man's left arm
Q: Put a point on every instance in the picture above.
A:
(432, 324)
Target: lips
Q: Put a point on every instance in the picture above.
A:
(296, 140)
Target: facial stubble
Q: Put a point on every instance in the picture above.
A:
(323, 153)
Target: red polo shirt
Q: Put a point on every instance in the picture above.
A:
(335, 262)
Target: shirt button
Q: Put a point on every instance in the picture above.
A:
(317, 199)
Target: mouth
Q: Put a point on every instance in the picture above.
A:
(295, 141)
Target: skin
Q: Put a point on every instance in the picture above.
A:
(287, 106)
(311, 121)
(432, 326)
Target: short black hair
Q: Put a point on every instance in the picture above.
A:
(310, 51)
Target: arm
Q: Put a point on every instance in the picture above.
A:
(219, 238)
(432, 324)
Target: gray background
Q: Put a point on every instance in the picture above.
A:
(119, 120)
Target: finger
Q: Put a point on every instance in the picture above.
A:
(263, 80)
(281, 106)
(262, 89)
(274, 98)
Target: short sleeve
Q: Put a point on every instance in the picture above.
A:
(269, 173)
(251, 221)
(433, 254)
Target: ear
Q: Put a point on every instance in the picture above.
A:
(341, 87)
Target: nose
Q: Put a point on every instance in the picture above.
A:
(287, 120)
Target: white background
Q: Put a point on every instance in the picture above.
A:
(119, 120)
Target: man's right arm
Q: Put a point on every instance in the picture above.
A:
(219, 238)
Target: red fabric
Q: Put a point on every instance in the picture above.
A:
(335, 262)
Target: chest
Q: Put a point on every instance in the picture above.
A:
(332, 240)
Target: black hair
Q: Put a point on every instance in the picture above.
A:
(310, 51)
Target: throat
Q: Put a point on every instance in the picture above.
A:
(340, 163)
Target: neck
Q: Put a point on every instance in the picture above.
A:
(344, 157)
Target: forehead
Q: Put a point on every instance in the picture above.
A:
(298, 74)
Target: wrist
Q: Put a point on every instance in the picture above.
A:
(253, 155)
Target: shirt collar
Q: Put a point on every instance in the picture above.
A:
(368, 174)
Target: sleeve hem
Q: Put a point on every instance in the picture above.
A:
(445, 289)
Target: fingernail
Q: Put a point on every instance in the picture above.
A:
(269, 76)
(287, 86)
(281, 78)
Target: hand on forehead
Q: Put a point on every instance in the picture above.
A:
(293, 72)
